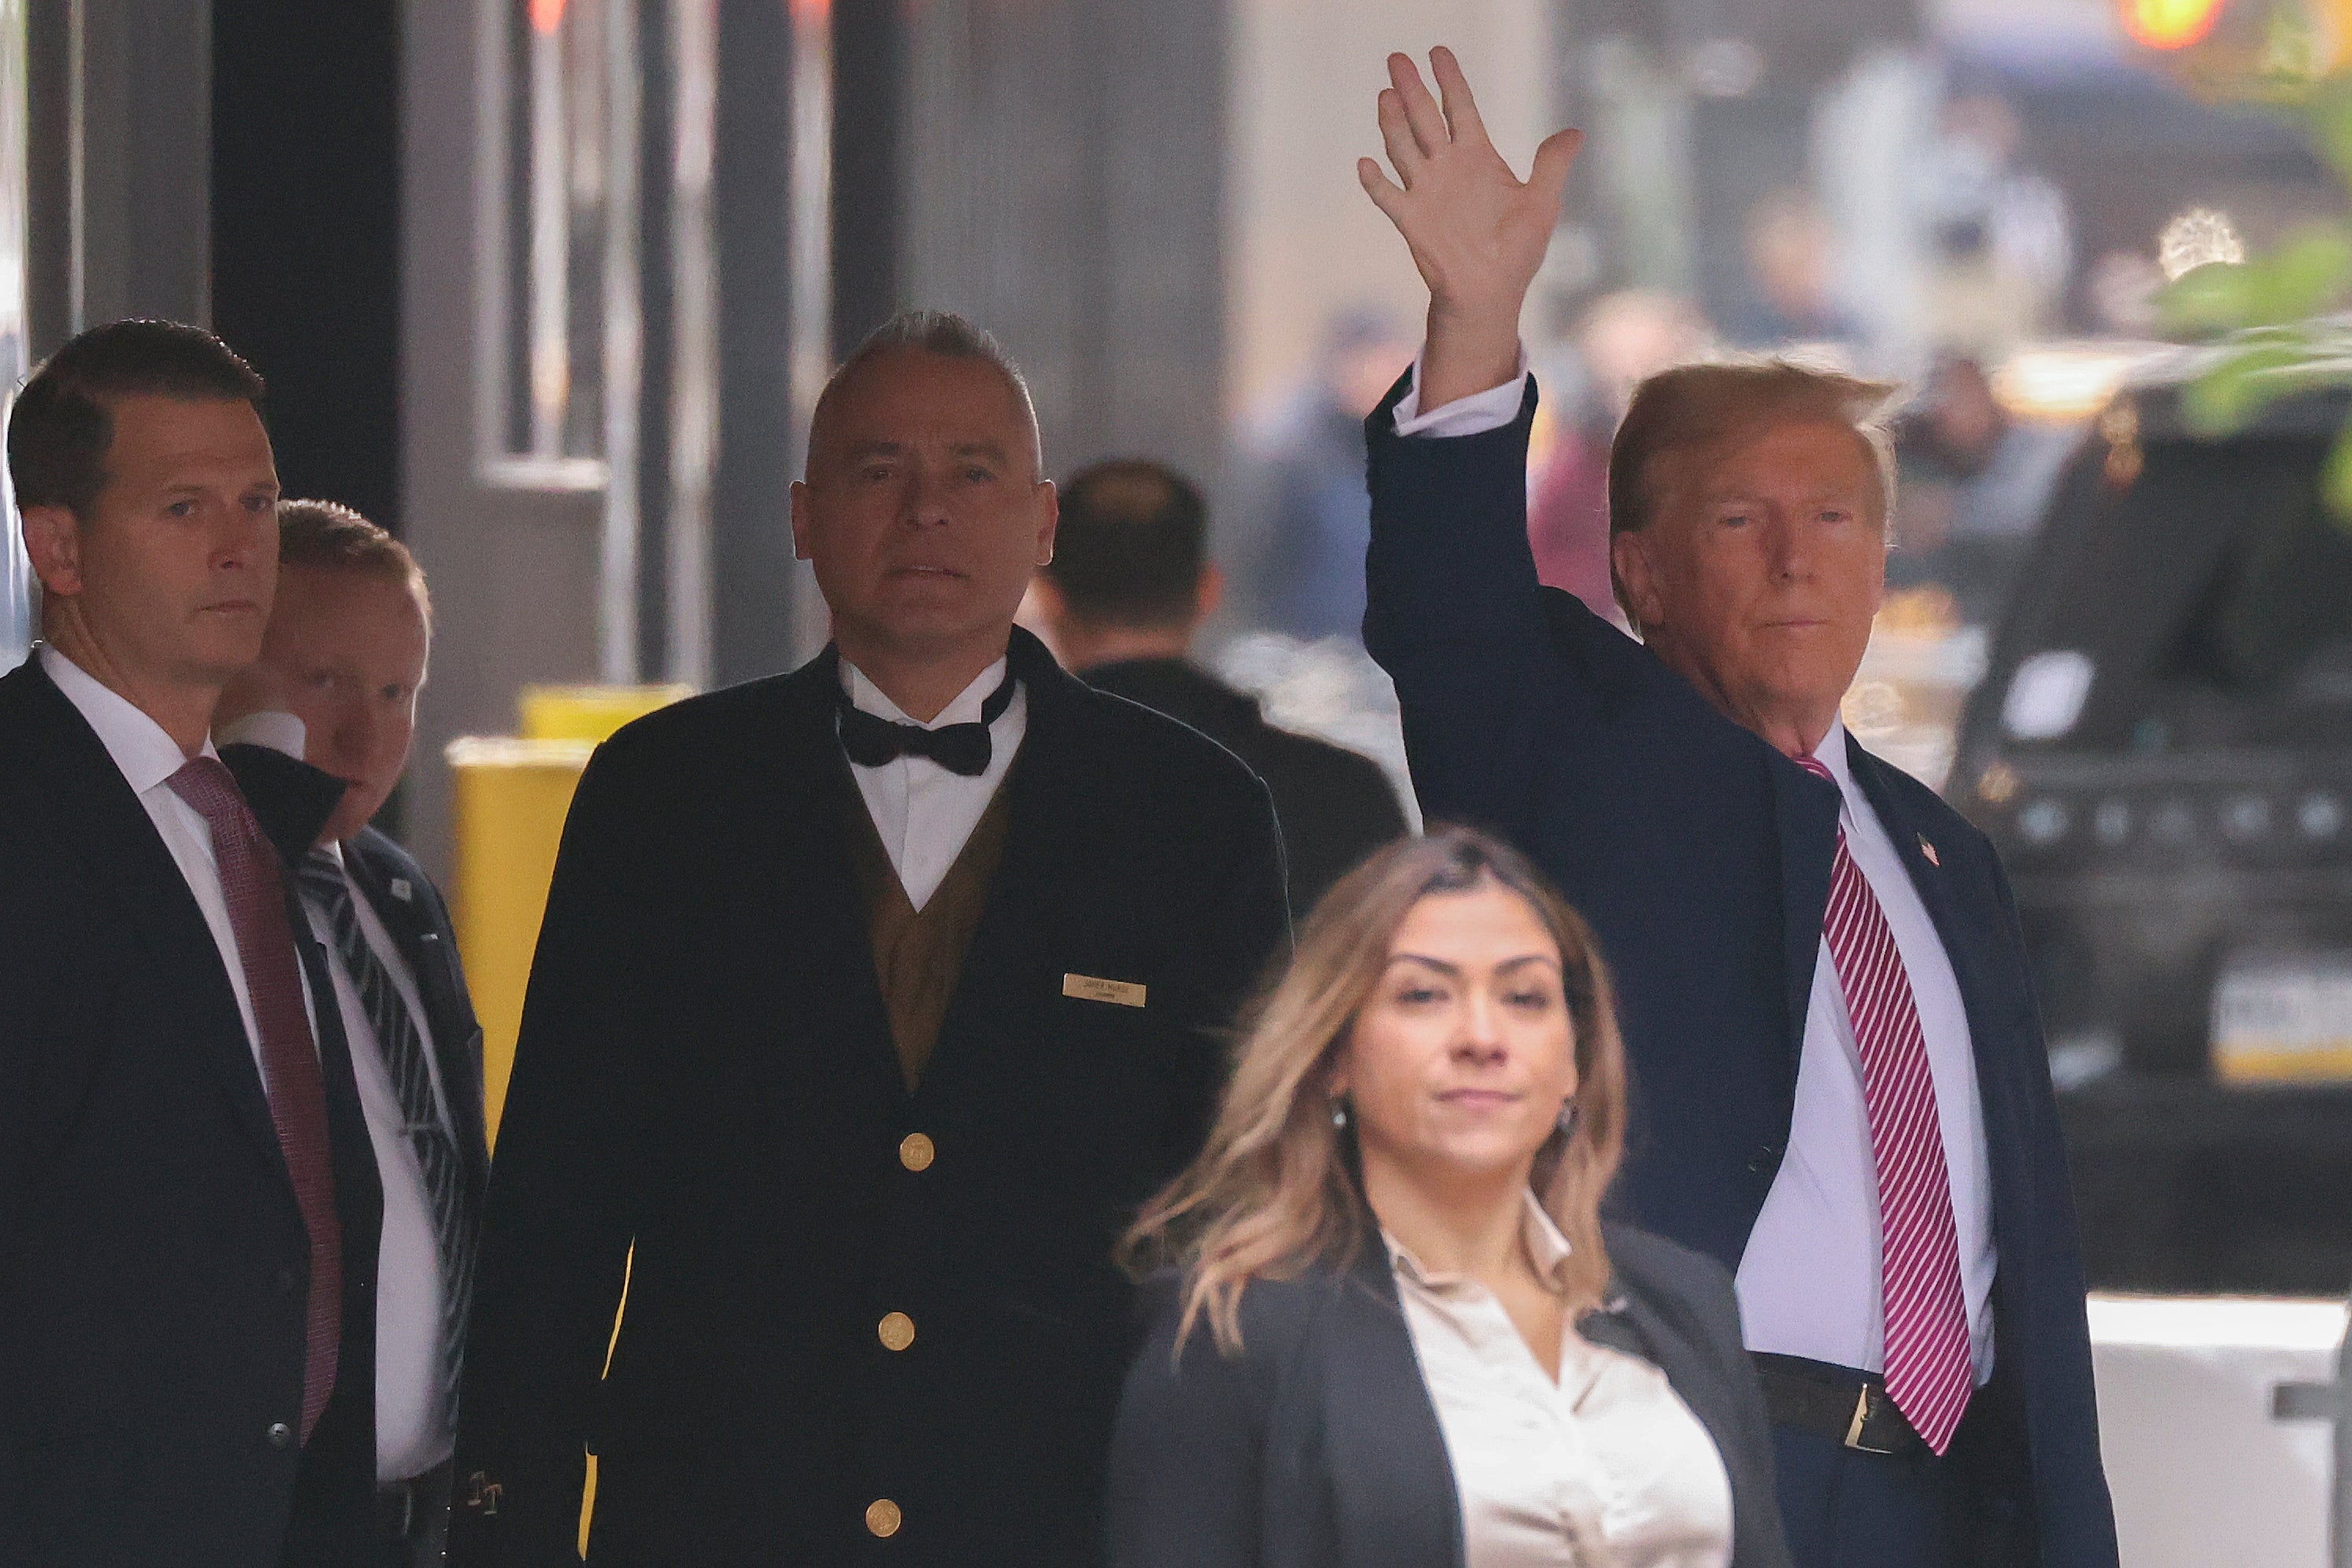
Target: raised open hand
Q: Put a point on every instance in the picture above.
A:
(1477, 232)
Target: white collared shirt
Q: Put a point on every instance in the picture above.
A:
(412, 1429)
(923, 813)
(148, 757)
(1606, 1464)
(1810, 1281)
(413, 1409)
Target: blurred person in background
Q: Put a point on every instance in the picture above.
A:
(1396, 1332)
(1127, 589)
(1308, 579)
(1974, 482)
(188, 1196)
(1791, 254)
(1621, 338)
(1843, 1088)
(2003, 238)
(872, 1001)
(341, 669)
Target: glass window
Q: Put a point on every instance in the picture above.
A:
(559, 254)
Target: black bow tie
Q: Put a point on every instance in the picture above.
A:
(962, 749)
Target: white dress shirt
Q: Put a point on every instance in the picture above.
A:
(1811, 1280)
(1605, 1466)
(148, 758)
(411, 1405)
(923, 813)
(413, 1431)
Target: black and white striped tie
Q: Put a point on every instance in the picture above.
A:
(403, 1050)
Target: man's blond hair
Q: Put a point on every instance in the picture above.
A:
(1695, 405)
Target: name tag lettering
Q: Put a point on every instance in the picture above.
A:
(1088, 988)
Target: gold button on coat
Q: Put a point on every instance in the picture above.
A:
(914, 1151)
(898, 1331)
(883, 1518)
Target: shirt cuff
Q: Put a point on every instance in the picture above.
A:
(1472, 415)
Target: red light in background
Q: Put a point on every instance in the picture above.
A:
(546, 16)
(2168, 23)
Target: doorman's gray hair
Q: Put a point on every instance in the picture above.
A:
(950, 336)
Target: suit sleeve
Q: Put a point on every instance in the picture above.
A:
(560, 1213)
(1454, 612)
(1247, 931)
(27, 990)
(2074, 1511)
(1187, 1452)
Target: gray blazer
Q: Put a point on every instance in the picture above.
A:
(1318, 1446)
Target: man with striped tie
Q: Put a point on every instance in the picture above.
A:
(1841, 1089)
(337, 683)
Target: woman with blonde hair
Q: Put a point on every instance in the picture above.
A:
(1393, 1330)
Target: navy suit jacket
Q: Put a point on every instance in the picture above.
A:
(417, 919)
(154, 1262)
(1702, 857)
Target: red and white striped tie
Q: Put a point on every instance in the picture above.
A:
(1929, 1372)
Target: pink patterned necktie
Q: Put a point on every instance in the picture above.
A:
(1929, 1371)
(256, 895)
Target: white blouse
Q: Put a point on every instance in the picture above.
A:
(1605, 1469)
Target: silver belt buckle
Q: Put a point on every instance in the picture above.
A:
(1861, 1415)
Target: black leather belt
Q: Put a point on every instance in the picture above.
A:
(403, 1508)
(1834, 1402)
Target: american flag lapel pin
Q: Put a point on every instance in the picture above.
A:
(1929, 851)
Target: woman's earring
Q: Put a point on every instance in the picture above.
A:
(1339, 1113)
(1568, 1113)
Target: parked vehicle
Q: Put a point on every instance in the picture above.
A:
(2162, 751)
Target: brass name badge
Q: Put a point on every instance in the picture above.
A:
(1087, 988)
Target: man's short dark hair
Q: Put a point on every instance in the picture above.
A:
(1131, 547)
(63, 422)
(948, 335)
(329, 536)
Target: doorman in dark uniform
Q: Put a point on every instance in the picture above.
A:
(871, 1002)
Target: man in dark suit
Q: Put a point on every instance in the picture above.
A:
(337, 684)
(871, 1002)
(188, 1208)
(1129, 587)
(1841, 1091)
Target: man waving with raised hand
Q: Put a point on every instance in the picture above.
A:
(1841, 1086)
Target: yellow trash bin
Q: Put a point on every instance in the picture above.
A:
(507, 819)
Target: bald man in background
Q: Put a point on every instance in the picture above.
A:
(1129, 587)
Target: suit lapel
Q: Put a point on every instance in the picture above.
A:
(448, 1014)
(808, 903)
(1807, 810)
(1394, 1500)
(134, 873)
(1015, 911)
